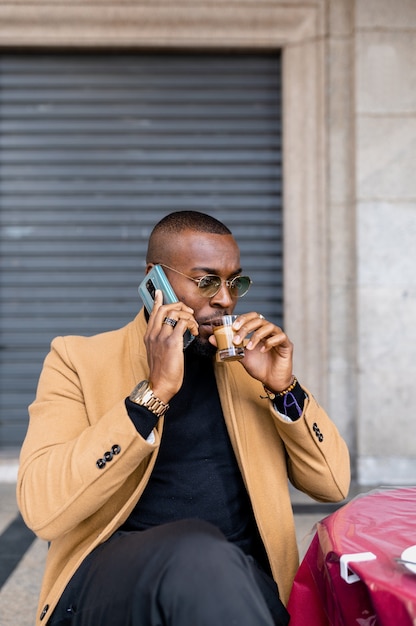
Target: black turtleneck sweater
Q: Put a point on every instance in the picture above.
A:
(196, 473)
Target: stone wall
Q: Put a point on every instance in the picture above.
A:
(385, 112)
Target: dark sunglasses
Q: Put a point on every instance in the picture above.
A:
(210, 284)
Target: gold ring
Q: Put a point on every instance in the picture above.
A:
(170, 322)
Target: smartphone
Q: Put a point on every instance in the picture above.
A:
(157, 279)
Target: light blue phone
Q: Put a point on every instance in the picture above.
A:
(157, 279)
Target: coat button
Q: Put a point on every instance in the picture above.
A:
(108, 456)
(44, 611)
(317, 432)
(116, 449)
(100, 463)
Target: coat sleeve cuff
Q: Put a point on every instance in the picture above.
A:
(143, 419)
(290, 406)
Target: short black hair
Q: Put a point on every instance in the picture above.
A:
(193, 220)
(179, 221)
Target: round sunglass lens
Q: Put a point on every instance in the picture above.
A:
(241, 285)
(210, 285)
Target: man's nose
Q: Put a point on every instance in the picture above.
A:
(223, 298)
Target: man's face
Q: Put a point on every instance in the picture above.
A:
(197, 254)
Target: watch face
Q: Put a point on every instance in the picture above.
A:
(139, 390)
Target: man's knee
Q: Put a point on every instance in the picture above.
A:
(201, 554)
(201, 577)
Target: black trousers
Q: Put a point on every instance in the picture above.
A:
(178, 574)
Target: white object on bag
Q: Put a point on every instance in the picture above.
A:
(346, 559)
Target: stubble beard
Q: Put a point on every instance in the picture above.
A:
(201, 348)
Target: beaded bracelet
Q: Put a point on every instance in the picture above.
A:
(273, 394)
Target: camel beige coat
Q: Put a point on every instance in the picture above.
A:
(79, 414)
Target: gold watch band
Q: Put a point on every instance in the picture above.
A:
(143, 395)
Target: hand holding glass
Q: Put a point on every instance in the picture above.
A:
(224, 334)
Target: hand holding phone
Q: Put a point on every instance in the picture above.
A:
(157, 279)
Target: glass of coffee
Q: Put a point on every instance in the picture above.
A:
(224, 333)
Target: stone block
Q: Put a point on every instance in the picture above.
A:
(386, 72)
(387, 371)
(386, 158)
(386, 251)
(386, 471)
(391, 14)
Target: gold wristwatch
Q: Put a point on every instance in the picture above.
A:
(143, 395)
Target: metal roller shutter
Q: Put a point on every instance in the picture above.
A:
(94, 150)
